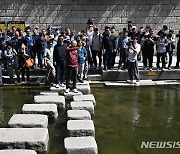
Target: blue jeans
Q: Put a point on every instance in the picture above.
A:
(60, 72)
(107, 59)
(40, 59)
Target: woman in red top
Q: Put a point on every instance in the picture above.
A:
(71, 63)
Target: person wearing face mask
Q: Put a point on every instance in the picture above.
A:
(133, 70)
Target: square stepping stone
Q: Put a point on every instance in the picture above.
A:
(17, 151)
(69, 96)
(48, 109)
(80, 145)
(60, 90)
(44, 99)
(78, 128)
(83, 83)
(84, 88)
(28, 121)
(23, 138)
(49, 93)
(78, 115)
(88, 97)
(83, 105)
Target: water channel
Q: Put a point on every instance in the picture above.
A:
(124, 117)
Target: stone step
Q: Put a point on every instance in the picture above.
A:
(85, 89)
(17, 151)
(88, 97)
(78, 115)
(80, 145)
(24, 138)
(47, 109)
(49, 93)
(28, 121)
(69, 96)
(83, 105)
(46, 99)
(78, 128)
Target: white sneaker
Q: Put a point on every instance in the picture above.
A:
(75, 90)
(57, 85)
(67, 90)
(130, 81)
(150, 69)
(54, 85)
(137, 83)
(62, 85)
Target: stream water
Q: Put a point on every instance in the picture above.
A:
(124, 117)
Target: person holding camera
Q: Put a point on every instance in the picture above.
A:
(133, 71)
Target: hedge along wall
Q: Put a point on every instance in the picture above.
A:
(75, 13)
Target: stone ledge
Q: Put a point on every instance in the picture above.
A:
(49, 93)
(17, 151)
(88, 97)
(28, 121)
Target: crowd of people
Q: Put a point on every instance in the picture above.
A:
(68, 56)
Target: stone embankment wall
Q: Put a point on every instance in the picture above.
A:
(75, 13)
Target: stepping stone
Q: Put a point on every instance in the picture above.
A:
(28, 121)
(43, 99)
(83, 105)
(69, 96)
(60, 90)
(17, 151)
(47, 109)
(49, 93)
(84, 88)
(78, 128)
(80, 145)
(88, 97)
(23, 138)
(84, 83)
(78, 115)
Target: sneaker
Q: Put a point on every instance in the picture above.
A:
(137, 83)
(75, 90)
(81, 81)
(62, 85)
(162, 69)
(130, 81)
(150, 69)
(67, 90)
(145, 68)
(57, 85)
(169, 68)
(54, 85)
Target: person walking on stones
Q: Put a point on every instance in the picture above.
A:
(59, 59)
(48, 61)
(161, 50)
(178, 50)
(1, 61)
(133, 70)
(72, 64)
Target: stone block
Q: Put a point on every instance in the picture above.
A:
(17, 151)
(47, 109)
(28, 121)
(80, 145)
(69, 96)
(85, 89)
(60, 90)
(78, 128)
(88, 97)
(83, 105)
(23, 138)
(78, 115)
(50, 93)
(44, 99)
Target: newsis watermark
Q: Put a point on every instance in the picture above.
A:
(160, 145)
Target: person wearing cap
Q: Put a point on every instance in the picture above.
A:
(59, 59)
(162, 43)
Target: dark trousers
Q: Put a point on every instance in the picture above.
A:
(113, 58)
(60, 72)
(148, 56)
(94, 54)
(162, 57)
(40, 59)
(71, 73)
(123, 58)
(133, 70)
(178, 56)
(107, 59)
(23, 70)
(170, 57)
